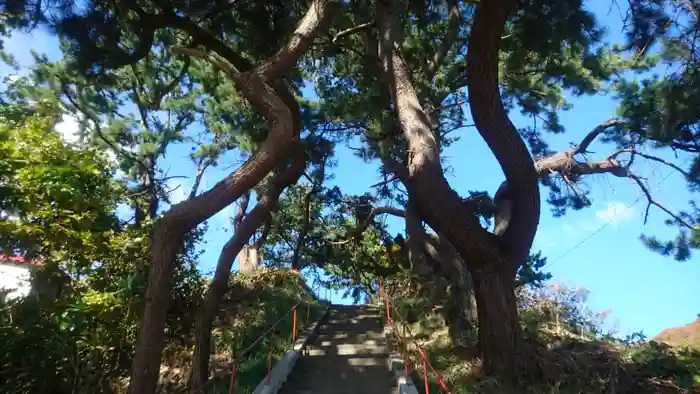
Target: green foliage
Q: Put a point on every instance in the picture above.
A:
(661, 361)
(559, 309)
(76, 330)
(566, 340)
(78, 343)
(54, 198)
(252, 305)
(531, 272)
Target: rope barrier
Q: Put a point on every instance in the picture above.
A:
(270, 331)
(404, 345)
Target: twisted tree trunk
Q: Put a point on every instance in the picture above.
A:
(500, 334)
(438, 256)
(492, 259)
(275, 102)
(244, 231)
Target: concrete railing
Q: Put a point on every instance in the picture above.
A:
(280, 372)
(404, 384)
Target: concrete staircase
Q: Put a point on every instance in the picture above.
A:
(348, 355)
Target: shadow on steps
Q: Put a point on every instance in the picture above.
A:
(347, 356)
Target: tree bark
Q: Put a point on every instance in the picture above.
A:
(301, 239)
(500, 335)
(219, 284)
(491, 259)
(248, 259)
(414, 239)
(244, 256)
(460, 310)
(275, 102)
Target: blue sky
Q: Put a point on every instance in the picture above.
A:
(596, 248)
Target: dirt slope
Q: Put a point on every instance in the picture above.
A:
(687, 335)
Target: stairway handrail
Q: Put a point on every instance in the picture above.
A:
(244, 352)
(390, 306)
(239, 355)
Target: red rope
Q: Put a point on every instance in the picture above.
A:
(232, 384)
(294, 327)
(425, 376)
(421, 351)
(269, 358)
(271, 331)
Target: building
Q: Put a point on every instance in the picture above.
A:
(14, 275)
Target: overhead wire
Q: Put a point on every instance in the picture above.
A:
(609, 222)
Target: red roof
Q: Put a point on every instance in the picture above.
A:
(17, 260)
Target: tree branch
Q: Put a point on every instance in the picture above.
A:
(567, 166)
(494, 126)
(301, 238)
(368, 221)
(204, 163)
(280, 63)
(386, 181)
(453, 24)
(264, 233)
(378, 211)
(564, 163)
(593, 134)
(651, 201)
(242, 209)
(344, 33)
(634, 152)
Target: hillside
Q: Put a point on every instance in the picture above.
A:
(686, 335)
(253, 303)
(570, 353)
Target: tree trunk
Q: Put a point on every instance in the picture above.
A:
(301, 239)
(489, 256)
(165, 244)
(219, 284)
(415, 237)
(248, 259)
(273, 99)
(500, 334)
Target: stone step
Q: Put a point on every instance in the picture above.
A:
(348, 355)
(338, 386)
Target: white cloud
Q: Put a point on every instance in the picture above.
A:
(112, 158)
(68, 128)
(615, 213)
